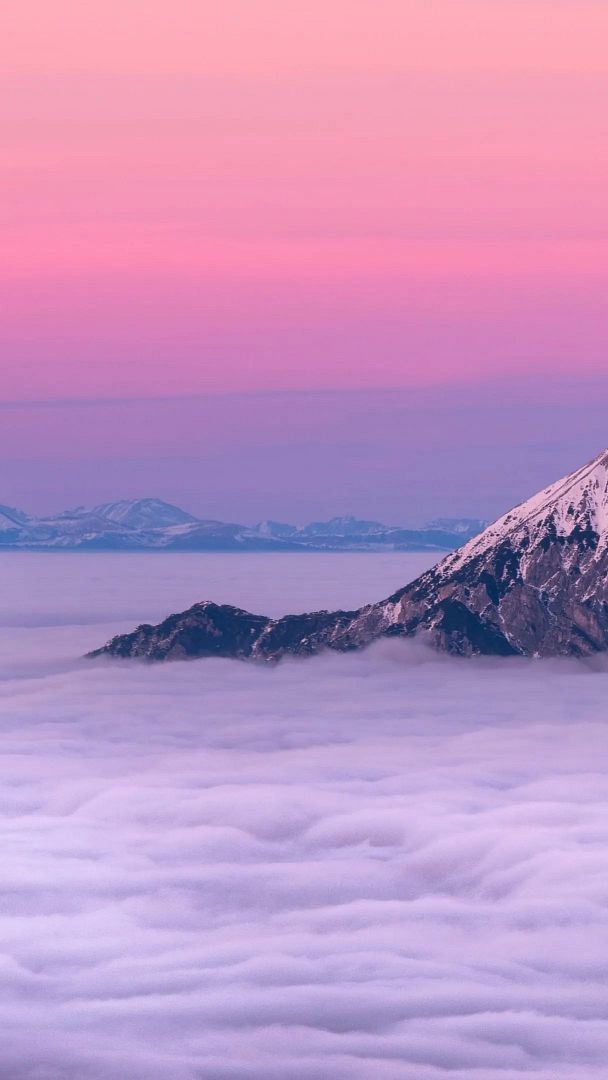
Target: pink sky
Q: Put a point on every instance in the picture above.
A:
(254, 195)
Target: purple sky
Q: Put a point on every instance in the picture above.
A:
(402, 456)
(299, 207)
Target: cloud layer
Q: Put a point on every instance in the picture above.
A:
(390, 865)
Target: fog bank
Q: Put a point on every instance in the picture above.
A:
(389, 865)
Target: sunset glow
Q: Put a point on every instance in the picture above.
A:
(257, 196)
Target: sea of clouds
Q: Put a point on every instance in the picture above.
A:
(387, 865)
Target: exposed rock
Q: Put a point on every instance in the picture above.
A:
(205, 629)
(535, 583)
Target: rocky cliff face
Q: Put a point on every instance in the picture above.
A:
(535, 583)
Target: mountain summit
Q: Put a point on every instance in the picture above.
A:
(144, 513)
(535, 583)
(154, 525)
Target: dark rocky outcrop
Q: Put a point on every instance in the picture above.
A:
(203, 630)
(535, 583)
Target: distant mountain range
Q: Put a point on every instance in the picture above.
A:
(154, 525)
(535, 583)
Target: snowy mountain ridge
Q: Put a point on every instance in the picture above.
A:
(576, 502)
(534, 583)
(144, 513)
(150, 524)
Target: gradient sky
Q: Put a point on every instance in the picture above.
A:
(252, 197)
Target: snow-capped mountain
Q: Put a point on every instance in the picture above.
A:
(275, 529)
(144, 514)
(534, 583)
(573, 508)
(151, 524)
(344, 527)
(11, 520)
(462, 526)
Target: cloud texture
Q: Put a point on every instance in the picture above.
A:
(391, 865)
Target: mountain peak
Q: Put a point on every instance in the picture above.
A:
(11, 519)
(146, 513)
(535, 583)
(577, 504)
(346, 525)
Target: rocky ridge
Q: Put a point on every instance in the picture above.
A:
(534, 583)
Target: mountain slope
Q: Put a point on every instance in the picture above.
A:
(534, 583)
(154, 525)
(144, 513)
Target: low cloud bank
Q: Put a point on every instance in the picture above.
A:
(390, 865)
